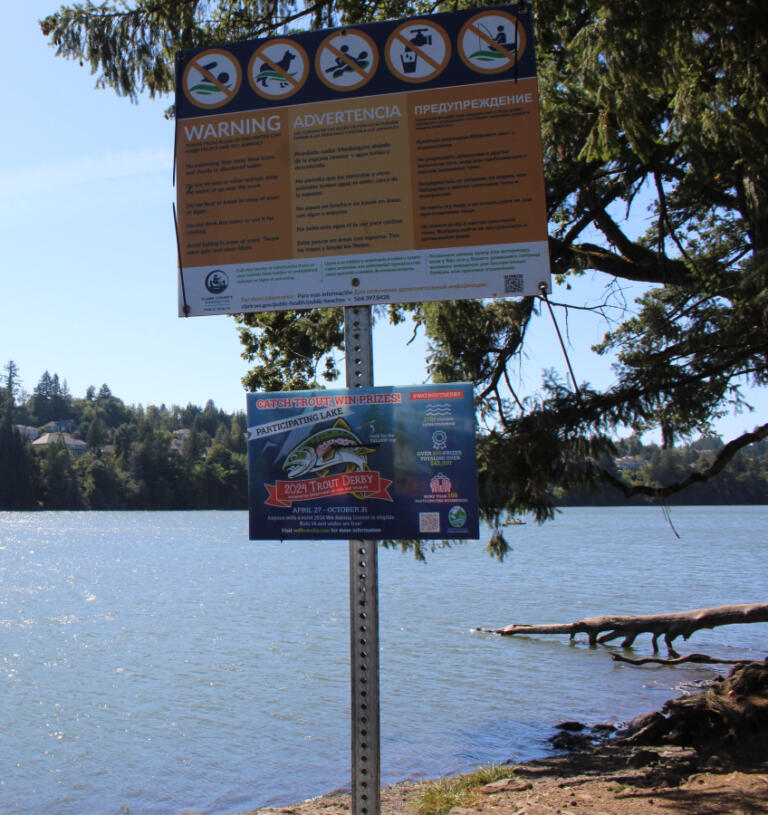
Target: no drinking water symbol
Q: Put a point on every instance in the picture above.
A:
(417, 51)
(346, 59)
(212, 79)
(491, 42)
(278, 69)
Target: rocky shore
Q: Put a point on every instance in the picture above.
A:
(703, 754)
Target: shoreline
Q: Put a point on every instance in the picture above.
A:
(599, 782)
(701, 754)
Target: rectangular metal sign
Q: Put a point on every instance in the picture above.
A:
(387, 162)
(369, 463)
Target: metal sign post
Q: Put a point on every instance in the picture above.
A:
(363, 603)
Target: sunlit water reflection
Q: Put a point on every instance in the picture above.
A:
(160, 662)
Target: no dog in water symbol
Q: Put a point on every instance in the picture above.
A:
(278, 69)
(212, 79)
(491, 42)
(417, 51)
(347, 59)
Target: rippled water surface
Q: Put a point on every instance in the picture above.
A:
(161, 663)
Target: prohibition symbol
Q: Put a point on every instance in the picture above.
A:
(491, 42)
(346, 59)
(278, 69)
(417, 51)
(212, 79)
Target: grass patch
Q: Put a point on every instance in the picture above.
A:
(442, 795)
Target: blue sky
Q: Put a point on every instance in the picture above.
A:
(88, 256)
(87, 248)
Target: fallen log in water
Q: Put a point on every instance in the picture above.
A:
(671, 626)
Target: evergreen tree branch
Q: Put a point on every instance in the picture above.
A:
(600, 259)
(512, 347)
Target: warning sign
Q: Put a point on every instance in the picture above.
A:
(418, 51)
(392, 162)
(212, 79)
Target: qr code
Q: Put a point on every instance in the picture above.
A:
(429, 522)
(513, 284)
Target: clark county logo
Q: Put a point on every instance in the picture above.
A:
(318, 456)
(216, 281)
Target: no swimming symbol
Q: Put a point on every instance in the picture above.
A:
(212, 79)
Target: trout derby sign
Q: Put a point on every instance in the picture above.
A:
(370, 463)
(387, 162)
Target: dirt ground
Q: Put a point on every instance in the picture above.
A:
(599, 783)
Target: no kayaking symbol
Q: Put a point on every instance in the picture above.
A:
(346, 59)
(278, 69)
(212, 79)
(491, 42)
(417, 51)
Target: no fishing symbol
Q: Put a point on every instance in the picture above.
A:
(212, 79)
(417, 51)
(491, 42)
(278, 69)
(346, 59)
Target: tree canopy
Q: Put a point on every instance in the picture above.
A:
(638, 99)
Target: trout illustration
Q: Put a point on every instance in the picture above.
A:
(334, 445)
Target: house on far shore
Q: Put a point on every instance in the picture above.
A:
(30, 432)
(631, 463)
(76, 447)
(179, 437)
(59, 426)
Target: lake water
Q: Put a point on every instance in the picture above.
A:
(160, 663)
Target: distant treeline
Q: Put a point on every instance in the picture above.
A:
(743, 481)
(105, 454)
(124, 456)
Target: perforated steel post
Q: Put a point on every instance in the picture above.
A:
(363, 604)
